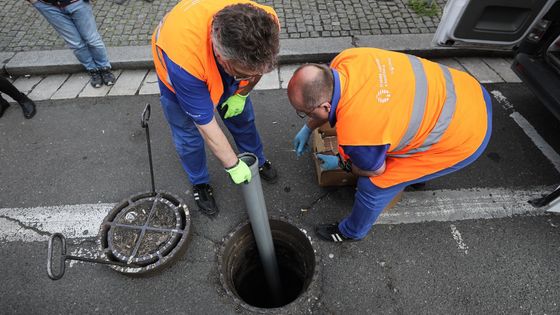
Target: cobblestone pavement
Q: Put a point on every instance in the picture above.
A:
(132, 23)
(144, 82)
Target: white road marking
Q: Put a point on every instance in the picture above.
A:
(459, 239)
(83, 252)
(36, 224)
(529, 130)
(502, 100)
(78, 221)
(462, 204)
(532, 133)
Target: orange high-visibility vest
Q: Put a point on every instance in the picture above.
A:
(184, 35)
(432, 116)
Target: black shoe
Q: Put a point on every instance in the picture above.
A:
(268, 173)
(331, 233)
(204, 197)
(107, 76)
(3, 106)
(96, 80)
(28, 107)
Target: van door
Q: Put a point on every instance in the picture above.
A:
(489, 22)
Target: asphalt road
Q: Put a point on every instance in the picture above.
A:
(85, 151)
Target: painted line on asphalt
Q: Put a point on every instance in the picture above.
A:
(532, 133)
(529, 130)
(459, 239)
(462, 204)
(38, 223)
(75, 221)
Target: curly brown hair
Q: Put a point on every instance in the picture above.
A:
(248, 35)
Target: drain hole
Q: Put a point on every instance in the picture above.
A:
(243, 274)
(252, 287)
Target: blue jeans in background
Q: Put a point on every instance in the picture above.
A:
(76, 24)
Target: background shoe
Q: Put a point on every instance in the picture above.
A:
(204, 198)
(3, 106)
(28, 107)
(331, 233)
(96, 80)
(107, 76)
(268, 173)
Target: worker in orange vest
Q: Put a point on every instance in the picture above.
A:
(210, 54)
(400, 120)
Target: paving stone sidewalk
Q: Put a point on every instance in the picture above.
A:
(143, 82)
(132, 23)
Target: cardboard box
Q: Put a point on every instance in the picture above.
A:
(324, 142)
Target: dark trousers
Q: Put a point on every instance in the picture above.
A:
(8, 88)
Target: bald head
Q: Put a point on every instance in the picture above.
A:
(310, 86)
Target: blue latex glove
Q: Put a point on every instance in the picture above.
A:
(301, 139)
(328, 162)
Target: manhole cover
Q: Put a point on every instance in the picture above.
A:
(148, 230)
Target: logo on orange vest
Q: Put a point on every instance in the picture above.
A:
(383, 96)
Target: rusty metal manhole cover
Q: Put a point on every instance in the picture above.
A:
(147, 230)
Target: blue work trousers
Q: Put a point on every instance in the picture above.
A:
(76, 24)
(370, 200)
(190, 144)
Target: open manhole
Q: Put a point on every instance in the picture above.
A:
(149, 230)
(242, 274)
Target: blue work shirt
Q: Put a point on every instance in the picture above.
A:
(192, 93)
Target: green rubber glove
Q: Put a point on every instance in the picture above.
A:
(234, 105)
(240, 173)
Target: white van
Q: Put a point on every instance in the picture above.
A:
(530, 27)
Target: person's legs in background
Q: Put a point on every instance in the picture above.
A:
(27, 105)
(62, 22)
(82, 14)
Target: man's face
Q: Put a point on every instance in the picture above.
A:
(319, 113)
(238, 72)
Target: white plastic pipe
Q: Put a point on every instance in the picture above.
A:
(258, 216)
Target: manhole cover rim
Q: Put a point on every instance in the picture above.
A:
(181, 244)
(174, 233)
(306, 299)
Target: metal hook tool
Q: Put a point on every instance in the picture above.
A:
(144, 122)
(64, 257)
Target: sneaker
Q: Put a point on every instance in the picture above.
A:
(96, 80)
(28, 107)
(3, 106)
(107, 76)
(268, 173)
(204, 198)
(331, 233)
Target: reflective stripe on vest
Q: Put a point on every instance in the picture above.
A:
(419, 105)
(443, 121)
(160, 55)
